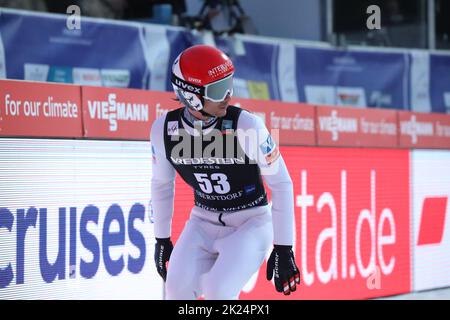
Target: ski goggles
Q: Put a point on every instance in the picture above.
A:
(216, 91)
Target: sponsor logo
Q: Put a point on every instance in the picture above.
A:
(82, 236)
(210, 160)
(267, 146)
(350, 96)
(258, 90)
(250, 189)
(367, 217)
(36, 72)
(270, 150)
(416, 128)
(60, 74)
(172, 128)
(86, 76)
(240, 89)
(227, 127)
(185, 86)
(431, 205)
(220, 69)
(229, 196)
(380, 99)
(347, 98)
(113, 110)
(119, 78)
(335, 124)
(194, 80)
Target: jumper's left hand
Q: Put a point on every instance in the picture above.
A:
(282, 264)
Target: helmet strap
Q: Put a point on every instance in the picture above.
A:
(191, 117)
(204, 113)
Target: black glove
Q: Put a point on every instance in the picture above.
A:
(163, 249)
(282, 263)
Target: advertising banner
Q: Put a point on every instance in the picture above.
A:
(430, 215)
(122, 113)
(352, 78)
(352, 224)
(294, 121)
(420, 81)
(49, 48)
(440, 82)
(40, 109)
(423, 130)
(256, 65)
(75, 220)
(352, 127)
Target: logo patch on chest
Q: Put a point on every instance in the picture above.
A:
(249, 189)
(172, 128)
(267, 146)
(227, 127)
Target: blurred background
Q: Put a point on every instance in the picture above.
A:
(335, 52)
(406, 23)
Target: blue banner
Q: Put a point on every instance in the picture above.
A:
(440, 83)
(179, 41)
(43, 48)
(256, 68)
(352, 78)
(40, 47)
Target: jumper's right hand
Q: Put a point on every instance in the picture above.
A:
(163, 249)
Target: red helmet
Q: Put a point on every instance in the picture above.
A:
(202, 72)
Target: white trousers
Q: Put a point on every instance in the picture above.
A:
(217, 261)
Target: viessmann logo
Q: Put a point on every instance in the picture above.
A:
(114, 110)
(336, 124)
(416, 128)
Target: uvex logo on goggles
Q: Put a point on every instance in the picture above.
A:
(187, 86)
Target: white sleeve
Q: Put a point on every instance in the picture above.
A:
(262, 147)
(163, 182)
